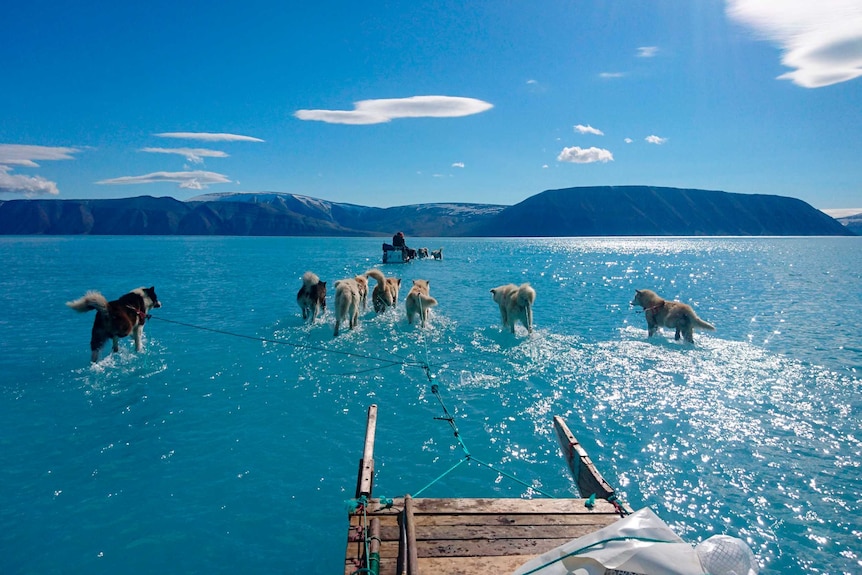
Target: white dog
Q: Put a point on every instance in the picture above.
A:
(675, 315)
(350, 296)
(418, 301)
(516, 304)
(385, 294)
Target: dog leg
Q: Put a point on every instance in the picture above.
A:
(138, 332)
(676, 335)
(116, 347)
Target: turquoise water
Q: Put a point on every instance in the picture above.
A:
(214, 453)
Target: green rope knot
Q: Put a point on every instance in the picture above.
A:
(591, 502)
(386, 502)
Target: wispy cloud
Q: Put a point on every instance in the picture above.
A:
(821, 41)
(581, 129)
(22, 155)
(194, 155)
(208, 137)
(576, 155)
(628, 140)
(458, 165)
(385, 110)
(611, 75)
(647, 51)
(655, 140)
(194, 180)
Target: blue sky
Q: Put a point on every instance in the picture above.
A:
(398, 103)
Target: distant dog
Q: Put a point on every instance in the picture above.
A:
(671, 314)
(118, 318)
(516, 304)
(437, 254)
(350, 296)
(418, 301)
(422, 253)
(385, 294)
(311, 297)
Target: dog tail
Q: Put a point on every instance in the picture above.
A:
(309, 279)
(526, 295)
(377, 275)
(91, 300)
(700, 324)
(427, 301)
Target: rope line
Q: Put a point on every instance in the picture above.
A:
(392, 362)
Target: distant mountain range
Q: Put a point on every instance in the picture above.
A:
(583, 211)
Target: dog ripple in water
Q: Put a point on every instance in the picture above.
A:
(516, 304)
(676, 315)
(118, 318)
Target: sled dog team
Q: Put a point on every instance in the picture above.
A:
(128, 314)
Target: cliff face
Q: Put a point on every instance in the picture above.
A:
(593, 211)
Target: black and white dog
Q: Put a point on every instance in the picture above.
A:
(118, 318)
(311, 297)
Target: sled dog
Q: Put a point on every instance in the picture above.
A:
(350, 298)
(516, 304)
(418, 301)
(385, 294)
(671, 314)
(311, 297)
(118, 318)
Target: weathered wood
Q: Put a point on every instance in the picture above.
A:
(412, 550)
(366, 464)
(584, 472)
(374, 547)
(494, 505)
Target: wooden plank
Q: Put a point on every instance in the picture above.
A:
(584, 472)
(486, 548)
(509, 506)
(473, 565)
(366, 464)
(491, 519)
(412, 550)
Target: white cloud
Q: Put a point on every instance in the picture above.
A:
(385, 110)
(576, 155)
(29, 185)
(655, 140)
(628, 140)
(194, 180)
(821, 41)
(532, 81)
(458, 165)
(647, 51)
(24, 155)
(611, 75)
(194, 155)
(208, 137)
(581, 129)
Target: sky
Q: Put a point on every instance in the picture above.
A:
(397, 103)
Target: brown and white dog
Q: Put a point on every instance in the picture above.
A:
(350, 296)
(385, 294)
(118, 318)
(671, 314)
(311, 297)
(516, 304)
(418, 301)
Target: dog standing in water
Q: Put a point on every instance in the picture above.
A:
(671, 314)
(350, 296)
(418, 301)
(311, 297)
(118, 318)
(385, 294)
(516, 304)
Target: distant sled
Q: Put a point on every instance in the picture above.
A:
(397, 254)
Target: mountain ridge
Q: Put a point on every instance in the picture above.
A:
(578, 211)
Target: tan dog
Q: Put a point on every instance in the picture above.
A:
(418, 301)
(118, 318)
(516, 304)
(385, 294)
(671, 314)
(350, 296)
